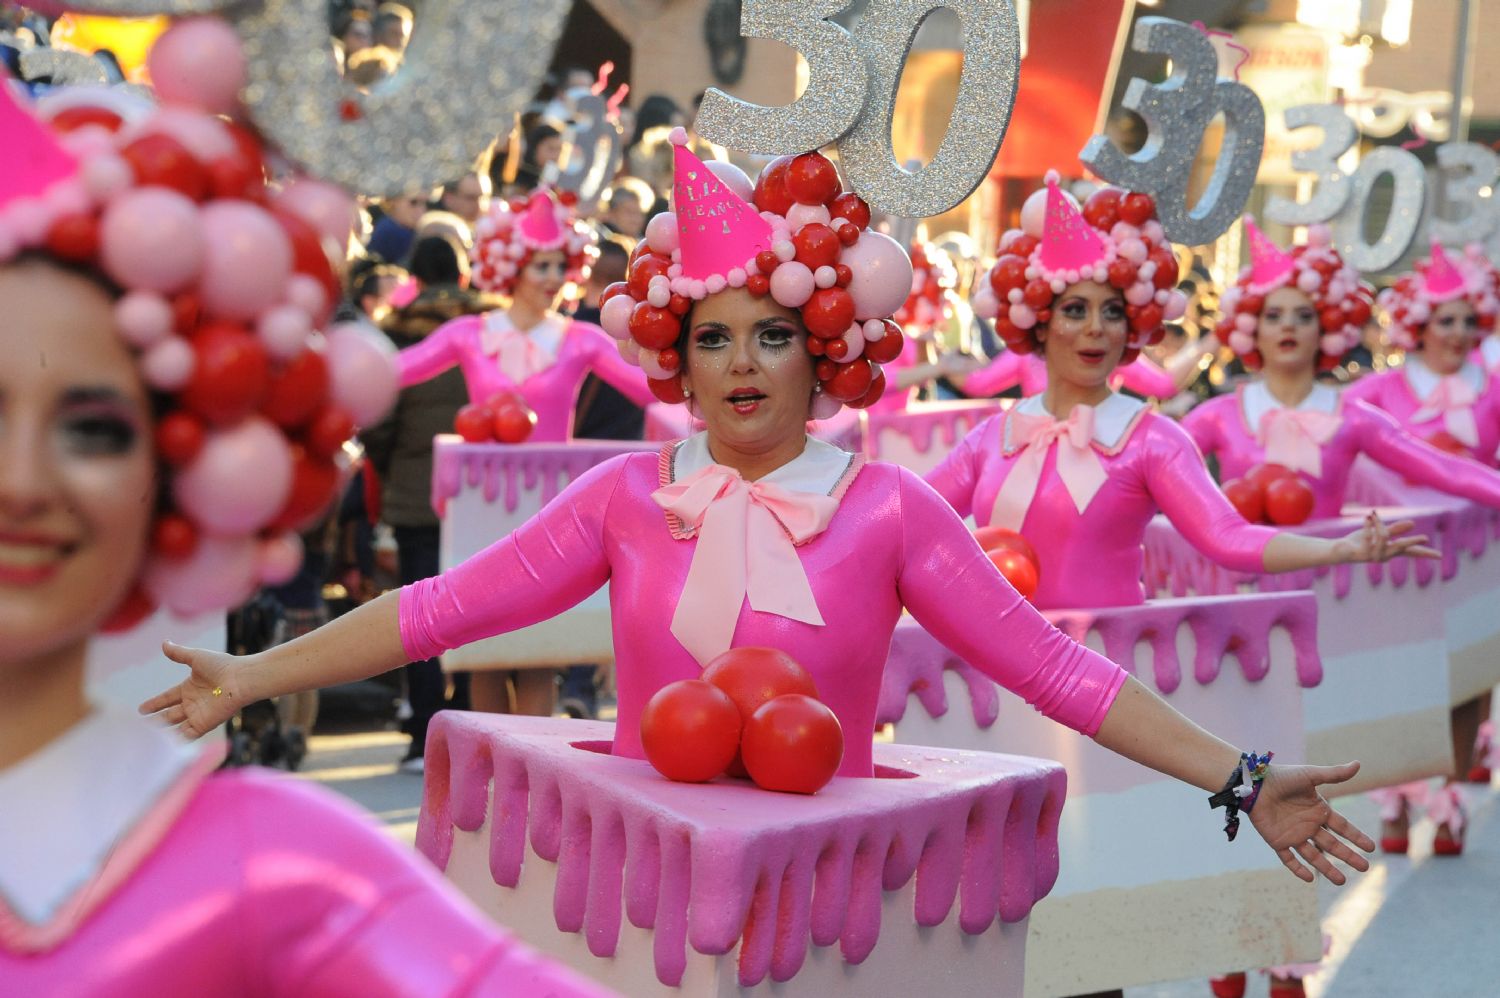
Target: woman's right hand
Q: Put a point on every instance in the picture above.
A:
(211, 694)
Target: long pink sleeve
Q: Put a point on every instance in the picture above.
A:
(604, 360)
(1144, 377)
(957, 478)
(1383, 439)
(1005, 371)
(437, 352)
(956, 593)
(1181, 486)
(1203, 424)
(549, 564)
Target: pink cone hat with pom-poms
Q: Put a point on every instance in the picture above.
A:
(1439, 279)
(506, 238)
(794, 235)
(224, 287)
(1113, 239)
(1343, 302)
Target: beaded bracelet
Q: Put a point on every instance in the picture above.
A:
(1242, 790)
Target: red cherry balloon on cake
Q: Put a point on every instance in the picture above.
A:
(1289, 501)
(690, 731)
(1246, 497)
(514, 419)
(1019, 570)
(993, 539)
(793, 744)
(475, 423)
(754, 676)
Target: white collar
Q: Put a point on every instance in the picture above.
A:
(818, 469)
(1423, 380)
(547, 335)
(1113, 417)
(77, 799)
(1258, 400)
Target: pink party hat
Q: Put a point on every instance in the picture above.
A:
(717, 231)
(1443, 281)
(1270, 266)
(1068, 242)
(33, 160)
(538, 224)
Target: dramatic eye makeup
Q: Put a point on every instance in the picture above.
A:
(98, 421)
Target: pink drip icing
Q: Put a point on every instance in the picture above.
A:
(977, 829)
(1221, 626)
(951, 421)
(514, 469)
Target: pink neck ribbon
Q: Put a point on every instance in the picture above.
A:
(1078, 465)
(1294, 438)
(747, 536)
(1453, 399)
(517, 354)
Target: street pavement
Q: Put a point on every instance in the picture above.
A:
(1413, 927)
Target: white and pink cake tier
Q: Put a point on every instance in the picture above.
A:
(1148, 889)
(921, 435)
(665, 423)
(1401, 642)
(482, 492)
(918, 881)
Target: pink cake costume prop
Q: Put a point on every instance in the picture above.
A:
(141, 869)
(1011, 368)
(546, 364)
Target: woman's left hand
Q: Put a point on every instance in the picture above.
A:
(1380, 541)
(1295, 820)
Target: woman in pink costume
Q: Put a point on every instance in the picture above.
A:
(753, 534)
(135, 471)
(528, 251)
(1079, 469)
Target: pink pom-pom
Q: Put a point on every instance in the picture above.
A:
(792, 284)
(825, 277)
(732, 177)
(698, 290)
(1058, 285)
(1015, 296)
(484, 229)
(715, 283)
(168, 364)
(66, 197)
(143, 318)
(1133, 250)
(88, 140)
(675, 270)
(737, 277)
(1034, 214)
(1333, 345)
(215, 491)
(1153, 231)
(199, 61)
(30, 218)
(283, 330)
(278, 559)
(678, 136)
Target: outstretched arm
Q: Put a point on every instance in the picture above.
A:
(1003, 372)
(1385, 440)
(605, 360)
(1144, 377)
(437, 352)
(956, 478)
(948, 584)
(550, 563)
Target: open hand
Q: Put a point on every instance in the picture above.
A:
(1295, 820)
(1379, 541)
(210, 695)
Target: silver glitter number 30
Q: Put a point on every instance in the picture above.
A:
(1334, 187)
(851, 96)
(594, 146)
(1407, 199)
(1178, 113)
(1468, 175)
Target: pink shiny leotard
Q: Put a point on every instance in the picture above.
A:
(1029, 370)
(891, 543)
(552, 393)
(263, 886)
(1393, 392)
(1094, 558)
(1220, 427)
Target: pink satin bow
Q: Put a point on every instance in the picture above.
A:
(1453, 399)
(517, 354)
(1294, 438)
(1078, 465)
(747, 536)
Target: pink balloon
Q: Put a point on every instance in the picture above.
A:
(792, 285)
(150, 240)
(882, 275)
(168, 364)
(283, 331)
(615, 316)
(806, 214)
(731, 177)
(986, 305)
(215, 491)
(143, 318)
(198, 61)
(1034, 213)
(825, 406)
(650, 361)
(661, 233)
(325, 207)
(279, 558)
(221, 573)
(247, 260)
(362, 371)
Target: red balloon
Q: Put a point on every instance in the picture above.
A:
(1246, 497)
(1331, 318)
(877, 389)
(315, 482)
(836, 349)
(758, 285)
(690, 731)
(1122, 273)
(230, 374)
(614, 290)
(1289, 501)
(817, 246)
(1102, 209)
(766, 261)
(646, 268)
(771, 193)
(1024, 246)
(514, 422)
(679, 305)
(1262, 475)
(1002, 539)
(475, 423)
(297, 391)
(843, 275)
(1359, 311)
(233, 177)
(848, 235)
(1149, 316)
(654, 328)
(888, 347)
(642, 250)
(811, 179)
(1019, 570)
(850, 382)
(1137, 209)
(668, 390)
(72, 118)
(327, 432)
(1038, 294)
(829, 313)
(754, 676)
(1445, 441)
(1008, 275)
(310, 257)
(824, 369)
(179, 437)
(851, 207)
(1166, 274)
(74, 238)
(793, 744)
(159, 160)
(174, 536)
